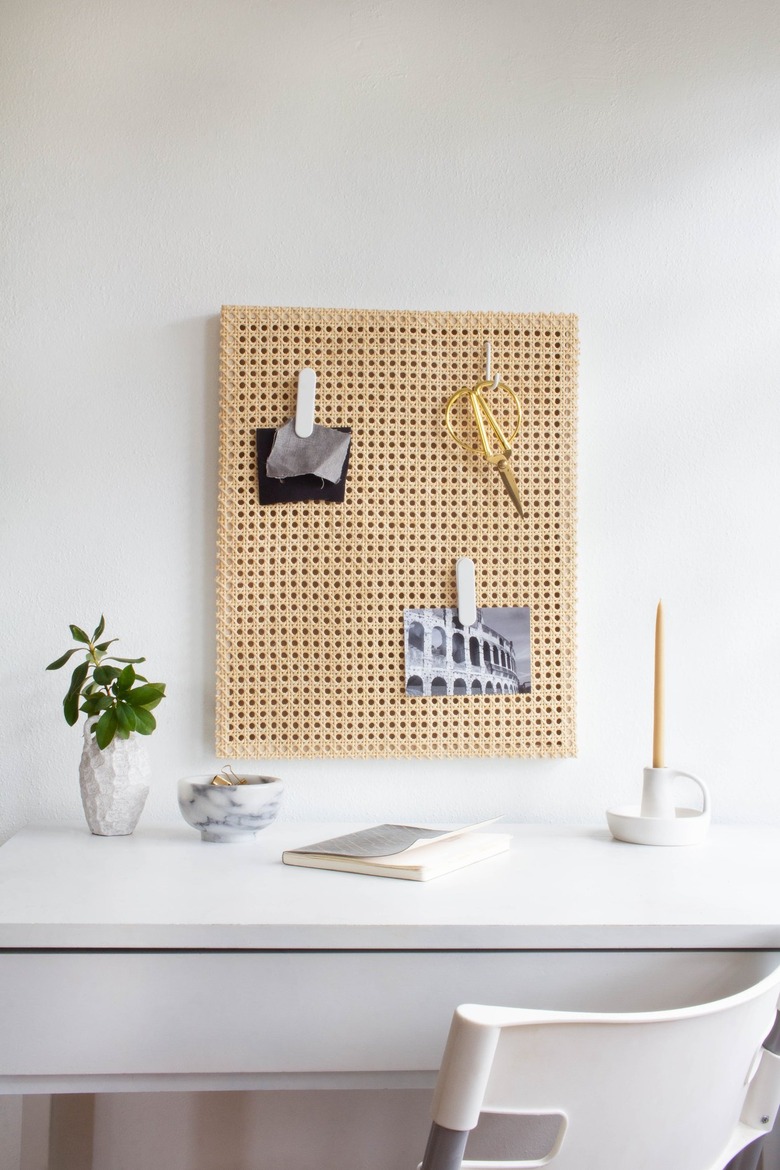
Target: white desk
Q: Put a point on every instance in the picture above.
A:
(157, 961)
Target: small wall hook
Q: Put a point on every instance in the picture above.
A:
(467, 591)
(304, 407)
(489, 366)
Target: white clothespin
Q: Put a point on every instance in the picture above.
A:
(488, 366)
(467, 591)
(304, 408)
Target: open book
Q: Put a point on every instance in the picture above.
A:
(402, 851)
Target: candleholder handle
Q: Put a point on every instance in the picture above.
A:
(705, 792)
(658, 792)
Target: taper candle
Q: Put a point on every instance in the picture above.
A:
(658, 691)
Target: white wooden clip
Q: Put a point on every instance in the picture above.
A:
(304, 407)
(467, 591)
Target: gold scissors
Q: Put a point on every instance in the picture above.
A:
(489, 432)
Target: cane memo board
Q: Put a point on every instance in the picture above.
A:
(311, 596)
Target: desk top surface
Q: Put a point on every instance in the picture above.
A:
(559, 887)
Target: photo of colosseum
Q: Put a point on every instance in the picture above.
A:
(491, 657)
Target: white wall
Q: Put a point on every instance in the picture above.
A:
(612, 159)
(615, 160)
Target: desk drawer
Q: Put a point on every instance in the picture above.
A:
(141, 1012)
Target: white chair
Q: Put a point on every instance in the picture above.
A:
(683, 1089)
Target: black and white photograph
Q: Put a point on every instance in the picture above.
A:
(490, 657)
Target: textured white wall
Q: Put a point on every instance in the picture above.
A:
(619, 161)
(615, 160)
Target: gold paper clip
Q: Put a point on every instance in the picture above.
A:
(223, 781)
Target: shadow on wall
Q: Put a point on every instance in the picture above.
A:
(336, 1129)
(201, 338)
(209, 527)
(278, 1129)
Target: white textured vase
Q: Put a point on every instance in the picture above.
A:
(114, 783)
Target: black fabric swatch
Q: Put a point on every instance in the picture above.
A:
(296, 487)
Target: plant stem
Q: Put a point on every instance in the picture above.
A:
(96, 662)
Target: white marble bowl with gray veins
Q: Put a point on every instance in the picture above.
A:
(232, 814)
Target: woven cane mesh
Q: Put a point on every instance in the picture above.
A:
(311, 595)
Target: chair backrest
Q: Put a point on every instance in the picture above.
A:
(684, 1088)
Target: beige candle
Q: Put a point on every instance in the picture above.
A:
(658, 692)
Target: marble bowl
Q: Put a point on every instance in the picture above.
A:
(230, 815)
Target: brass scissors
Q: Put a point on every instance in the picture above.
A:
(489, 432)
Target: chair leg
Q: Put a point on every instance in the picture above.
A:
(445, 1148)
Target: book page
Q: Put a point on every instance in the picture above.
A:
(385, 840)
(439, 855)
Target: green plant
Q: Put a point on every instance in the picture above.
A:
(120, 700)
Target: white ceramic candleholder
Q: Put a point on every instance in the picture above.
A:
(659, 820)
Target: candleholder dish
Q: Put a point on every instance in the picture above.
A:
(688, 826)
(230, 814)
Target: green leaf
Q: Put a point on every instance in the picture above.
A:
(105, 645)
(61, 661)
(105, 728)
(79, 634)
(125, 717)
(126, 679)
(145, 722)
(94, 704)
(105, 675)
(148, 695)
(115, 659)
(70, 704)
(99, 628)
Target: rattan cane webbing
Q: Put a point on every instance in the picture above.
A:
(311, 595)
